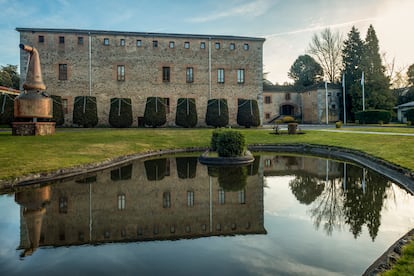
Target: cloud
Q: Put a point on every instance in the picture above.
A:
(250, 9)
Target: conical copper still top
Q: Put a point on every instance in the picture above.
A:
(34, 80)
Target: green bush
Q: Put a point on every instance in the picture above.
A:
(186, 114)
(248, 113)
(186, 167)
(232, 178)
(6, 109)
(155, 113)
(217, 114)
(120, 114)
(410, 115)
(231, 143)
(85, 112)
(338, 124)
(214, 138)
(288, 119)
(58, 116)
(156, 169)
(373, 116)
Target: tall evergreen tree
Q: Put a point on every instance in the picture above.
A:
(377, 92)
(352, 55)
(305, 71)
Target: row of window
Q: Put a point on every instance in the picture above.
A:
(155, 43)
(166, 200)
(166, 74)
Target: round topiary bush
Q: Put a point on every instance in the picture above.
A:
(248, 113)
(217, 114)
(85, 112)
(155, 113)
(186, 114)
(120, 114)
(231, 143)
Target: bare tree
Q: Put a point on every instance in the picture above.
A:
(397, 76)
(326, 48)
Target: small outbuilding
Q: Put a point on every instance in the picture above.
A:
(402, 110)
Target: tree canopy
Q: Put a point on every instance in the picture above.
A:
(305, 71)
(9, 76)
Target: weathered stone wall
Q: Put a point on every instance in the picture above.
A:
(143, 68)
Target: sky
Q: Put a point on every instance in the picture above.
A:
(287, 25)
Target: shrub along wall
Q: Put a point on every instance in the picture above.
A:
(217, 114)
(6, 108)
(120, 114)
(248, 113)
(85, 112)
(155, 114)
(58, 116)
(373, 116)
(186, 114)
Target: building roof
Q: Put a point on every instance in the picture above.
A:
(143, 34)
(405, 105)
(299, 89)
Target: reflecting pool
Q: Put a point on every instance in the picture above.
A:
(281, 215)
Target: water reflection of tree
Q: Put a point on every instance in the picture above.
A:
(355, 200)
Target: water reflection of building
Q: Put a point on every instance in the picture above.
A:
(153, 201)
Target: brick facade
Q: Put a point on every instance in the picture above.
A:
(108, 64)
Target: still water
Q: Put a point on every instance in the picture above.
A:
(282, 215)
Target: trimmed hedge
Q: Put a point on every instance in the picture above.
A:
(248, 113)
(155, 113)
(6, 109)
(410, 115)
(231, 143)
(186, 167)
(186, 113)
(85, 112)
(217, 114)
(374, 116)
(58, 116)
(120, 114)
(156, 169)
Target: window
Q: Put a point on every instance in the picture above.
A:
(187, 45)
(268, 99)
(121, 202)
(41, 39)
(202, 45)
(220, 75)
(287, 96)
(106, 41)
(172, 44)
(61, 40)
(65, 106)
(121, 73)
(221, 196)
(268, 163)
(166, 74)
(122, 42)
(63, 205)
(190, 198)
(242, 197)
(139, 42)
(166, 200)
(232, 46)
(63, 71)
(80, 40)
(267, 116)
(246, 46)
(217, 45)
(155, 44)
(189, 74)
(240, 76)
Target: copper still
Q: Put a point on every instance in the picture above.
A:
(33, 102)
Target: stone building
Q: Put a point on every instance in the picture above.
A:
(137, 65)
(307, 105)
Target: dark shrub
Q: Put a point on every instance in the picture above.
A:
(58, 116)
(155, 114)
(248, 113)
(186, 114)
(85, 112)
(186, 167)
(6, 109)
(373, 116)
(231, 144)
(232, 178)
(217, 114)
(156, 169)
(120, 114)
(122, 173)
(410, 115)
(214, 138)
